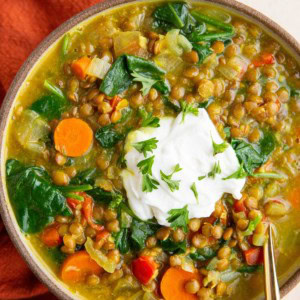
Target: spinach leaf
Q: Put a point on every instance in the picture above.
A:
(140, 231)
(85, 177)
(203, 254)
(205, 104)
(108, 137)
(172, 247)
(247, 155)
(117, 79)
(267, 144)
(251, 157)
(100, 195)
(175, 14)
(122, 240)
(143, 66)
(56, 255)
(295, 93)
(50, 106)
(36, 201)
(163, 86)
(203, 51)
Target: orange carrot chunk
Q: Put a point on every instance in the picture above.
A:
(173, 282)
(50, 237)
(78, 266)
(73, 137)
(79, 66)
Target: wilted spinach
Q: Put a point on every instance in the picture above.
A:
(172, 247)
(50, 106)
(129, 68)
(108, 137)
(203, 254)
(122, 240)
(252, 157)
(36, 201)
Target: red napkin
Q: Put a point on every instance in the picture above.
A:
(23, 25)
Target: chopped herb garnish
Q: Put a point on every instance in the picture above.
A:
(179, 218)
(219, 148)
(149, 183)
(239, 174)
(173, 184)
(194, 190)
(201, 177)
(146, 82)
(187, 108)
(146, 146)
(216, 169)
(147, 119)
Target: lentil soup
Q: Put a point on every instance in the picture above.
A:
(110, 128)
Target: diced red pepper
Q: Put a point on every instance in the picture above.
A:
(239, 206)
(210, 220)
(51, 237)
(268, 58)
(254, 256)
(104, 234)
(264, 59)
(143, 268)
(87, 209)
(114, 102)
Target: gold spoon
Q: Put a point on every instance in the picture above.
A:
(271, 283)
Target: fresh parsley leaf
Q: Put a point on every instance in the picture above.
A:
(219, 148)
(149, 183)
(145, 165)
(216, 169)
(205, 104)
(188, 108)
(147, 119)
(201, 177)
(146, 146)
(240, 173)
(173, 184)
(194, 190)
(146, 82)
(179, 218)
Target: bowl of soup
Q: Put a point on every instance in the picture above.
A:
(146, 147)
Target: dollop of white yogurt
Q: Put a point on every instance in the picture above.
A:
(189, 144)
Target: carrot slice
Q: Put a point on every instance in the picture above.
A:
(79, 66)
(294, 197)
(172, 284)
(73, 137)
(77, 266)
(50, 237)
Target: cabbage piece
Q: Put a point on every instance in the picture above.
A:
(169, 62)
(99, 257)
(234, 69)
(98, 68)
(177, 43)
(31, 131)
(130, 42)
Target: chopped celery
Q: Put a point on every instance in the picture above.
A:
(54, 89)
(252, 225)
(99, 257)
(65, 45)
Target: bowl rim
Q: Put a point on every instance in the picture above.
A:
(15, 234)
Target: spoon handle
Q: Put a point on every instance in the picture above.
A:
(271, 283)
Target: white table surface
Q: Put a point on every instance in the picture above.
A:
(286, 14)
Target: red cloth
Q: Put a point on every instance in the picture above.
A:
(23, 25)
